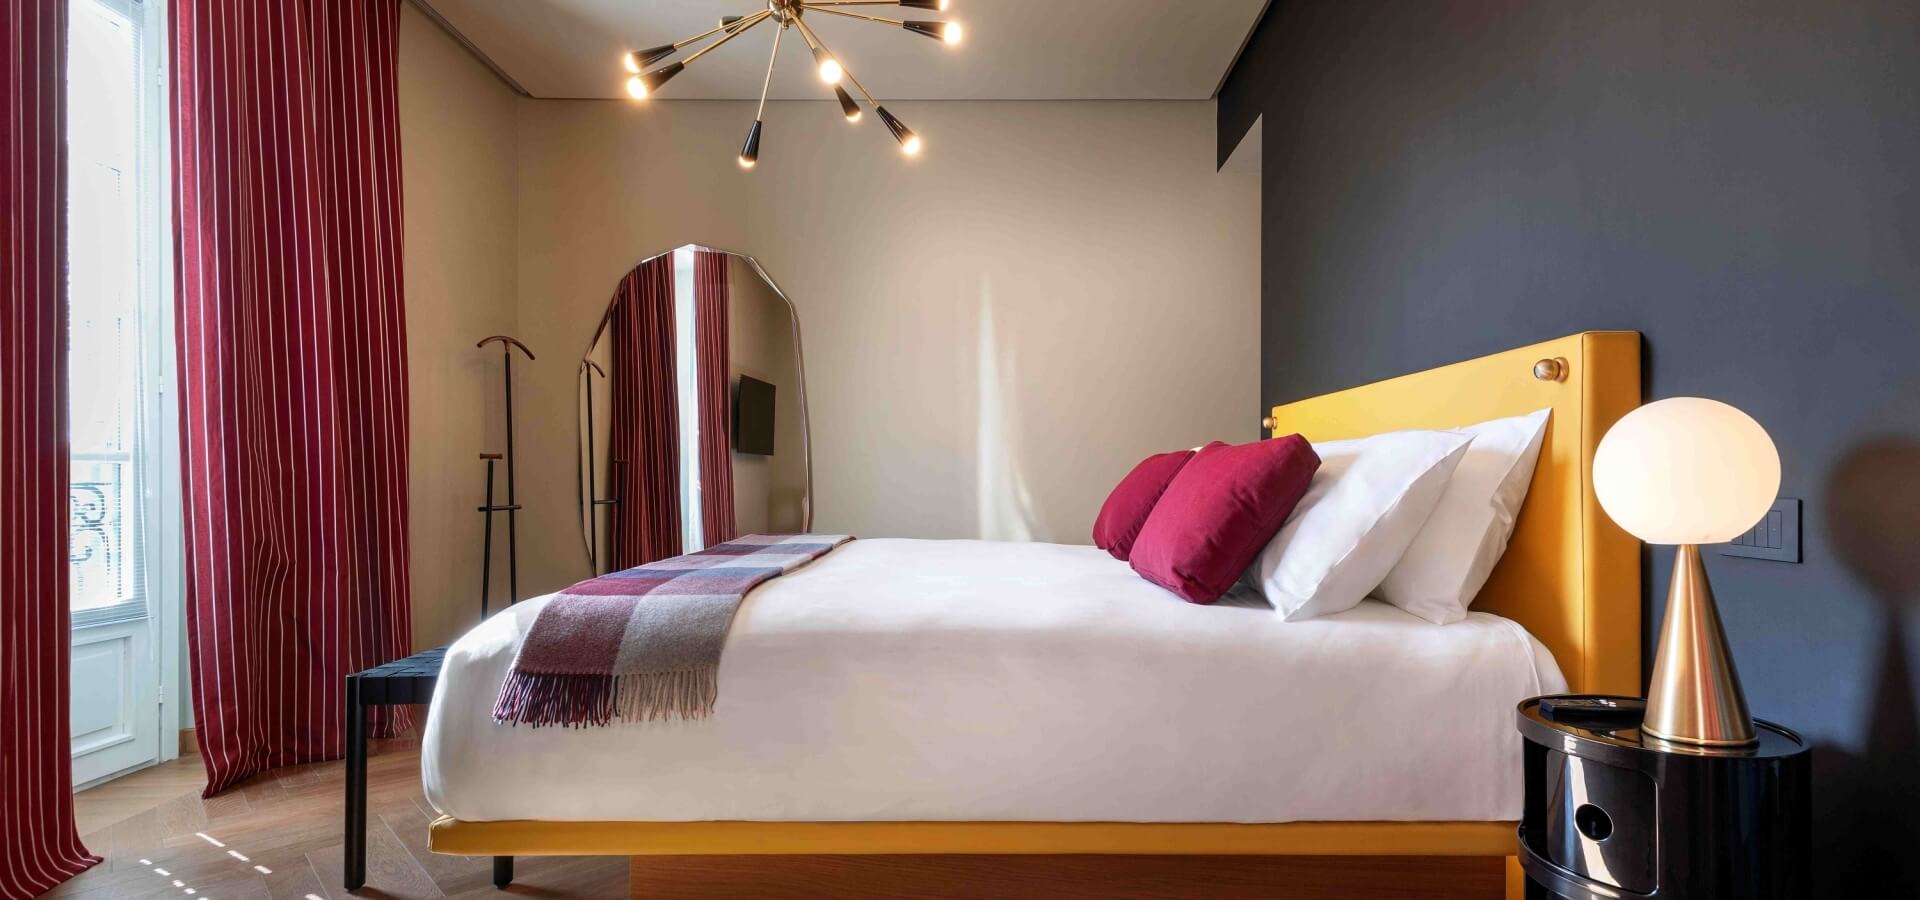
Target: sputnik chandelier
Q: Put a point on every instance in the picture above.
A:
(644, 82)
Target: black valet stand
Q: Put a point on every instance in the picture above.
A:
(1612, 814)
(512, 506)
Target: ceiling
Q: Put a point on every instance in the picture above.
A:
(1013, 49)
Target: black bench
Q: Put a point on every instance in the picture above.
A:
(407, 681)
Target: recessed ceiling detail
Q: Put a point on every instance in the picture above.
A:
(1014, 49)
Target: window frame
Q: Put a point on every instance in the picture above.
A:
(155, 452)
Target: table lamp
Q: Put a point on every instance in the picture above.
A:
(1689, 471)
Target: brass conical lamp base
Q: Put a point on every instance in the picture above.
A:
(1695, 696)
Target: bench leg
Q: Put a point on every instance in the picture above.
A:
(502, 871)
(355, 857)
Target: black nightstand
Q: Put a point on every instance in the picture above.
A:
(1611, 814)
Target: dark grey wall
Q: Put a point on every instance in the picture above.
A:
(1739, 180)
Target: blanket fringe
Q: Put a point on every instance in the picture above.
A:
(584, 701)
(644, 697)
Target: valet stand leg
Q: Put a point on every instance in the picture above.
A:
(513, 506)
(486, 542)
(356, 801)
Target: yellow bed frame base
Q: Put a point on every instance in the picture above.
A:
(1569, 576)
(532, 838)
(1294, 860)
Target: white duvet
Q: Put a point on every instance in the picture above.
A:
(973, 680)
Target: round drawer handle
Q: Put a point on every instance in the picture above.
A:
(1593, 822)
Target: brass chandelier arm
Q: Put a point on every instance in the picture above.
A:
(861, 87)
(821, 7)
(739, 28)
(778, 33)
(806, 32)
(708, 33)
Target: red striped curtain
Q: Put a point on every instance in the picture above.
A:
(711, 297)
(644, 434)
(292, 359)
(38, 846)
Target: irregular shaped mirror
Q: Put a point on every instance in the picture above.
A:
(693, 413)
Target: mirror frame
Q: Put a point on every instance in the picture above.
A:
(586, 503)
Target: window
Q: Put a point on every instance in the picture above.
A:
(118, 352)
(686, 355)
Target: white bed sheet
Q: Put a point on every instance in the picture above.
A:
(975, 680)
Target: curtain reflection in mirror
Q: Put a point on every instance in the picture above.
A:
(712, 296)
(643, 454)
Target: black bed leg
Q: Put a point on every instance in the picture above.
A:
(502, 871)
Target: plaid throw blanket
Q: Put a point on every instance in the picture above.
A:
(644, 643)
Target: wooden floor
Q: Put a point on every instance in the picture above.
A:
(279, 836)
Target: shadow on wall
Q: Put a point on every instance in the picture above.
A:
(1873, 497)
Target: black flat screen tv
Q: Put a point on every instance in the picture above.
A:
(753, 417)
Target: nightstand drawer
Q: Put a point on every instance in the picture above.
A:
(1601, 821)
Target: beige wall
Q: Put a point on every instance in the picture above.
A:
(457, 124)
(993, 333)
(768, 491)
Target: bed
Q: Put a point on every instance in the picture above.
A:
(1112, 741)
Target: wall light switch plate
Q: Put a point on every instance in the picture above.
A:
(1777, 537)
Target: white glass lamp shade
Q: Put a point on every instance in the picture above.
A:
(1686, 470)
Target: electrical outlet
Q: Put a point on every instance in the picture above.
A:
(1777, 537)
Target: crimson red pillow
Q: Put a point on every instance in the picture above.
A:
(1222, 507)
(1132, 499)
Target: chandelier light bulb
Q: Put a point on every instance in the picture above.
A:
(848, 108)
(945, 32)
(642, 86)
(830, 70)
(909, 142)
(637, 61)
(750, 151)
(936, 5)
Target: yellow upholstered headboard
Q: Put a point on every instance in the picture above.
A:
(1570, 575)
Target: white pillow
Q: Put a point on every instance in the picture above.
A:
(1449, 561)
(1366, 503)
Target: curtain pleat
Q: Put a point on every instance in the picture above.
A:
(644, 434)
(711, 299)
(292, 360)
(38, 845)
